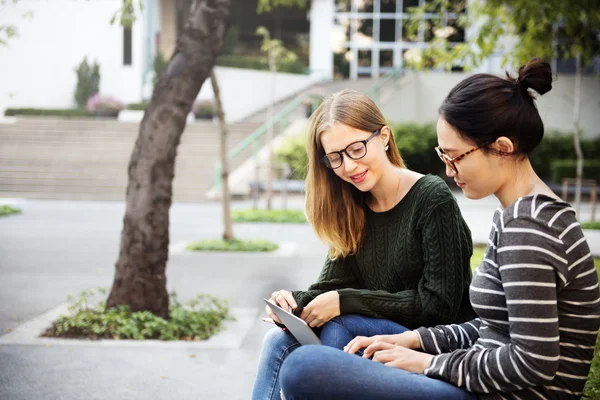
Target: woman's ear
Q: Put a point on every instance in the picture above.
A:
(504, 145)
(385, 136)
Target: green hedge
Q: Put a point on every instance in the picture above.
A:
(568, 169)
(259, 63)
(557, 145)
(416, 143)
(58, 112)
(138, 106)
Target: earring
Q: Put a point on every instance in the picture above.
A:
(387, 146)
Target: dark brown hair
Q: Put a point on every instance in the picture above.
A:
(484, 107)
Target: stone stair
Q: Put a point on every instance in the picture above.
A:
(86, 159)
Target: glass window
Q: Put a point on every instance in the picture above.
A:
(387, 30)
(407, 4)
(364, 58)
(386, 58)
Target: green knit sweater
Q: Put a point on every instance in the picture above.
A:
(413, 266)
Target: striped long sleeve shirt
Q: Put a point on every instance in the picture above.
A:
(536, 295)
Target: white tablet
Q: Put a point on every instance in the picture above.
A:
(297, 326)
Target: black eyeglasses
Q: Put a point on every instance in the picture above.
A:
(355, 151)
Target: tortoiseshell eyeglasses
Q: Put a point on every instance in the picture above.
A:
(451, 162)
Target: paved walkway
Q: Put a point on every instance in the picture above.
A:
(60, 247)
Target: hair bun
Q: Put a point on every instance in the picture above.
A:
(536, 75)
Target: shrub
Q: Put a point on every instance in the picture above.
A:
(160, 65)
(260, 63)
(416, 143)
(198, 319)
(204, 109)
(231, 40)
(568, 169)
(69, 112)
(557, 145)
(8, 210)
(104, 105)
(256, 245)
(138, 106)
(293, 153)
(88, 82)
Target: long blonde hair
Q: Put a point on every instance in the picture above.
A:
(335, 208)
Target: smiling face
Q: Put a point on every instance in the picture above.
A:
(480, 174)
(365, 172)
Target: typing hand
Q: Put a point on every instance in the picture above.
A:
(408, 339)
(400, 357)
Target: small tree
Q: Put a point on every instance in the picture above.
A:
(277, 53)
(228, 229)
(88, 82)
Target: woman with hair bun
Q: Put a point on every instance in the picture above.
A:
(535, 293)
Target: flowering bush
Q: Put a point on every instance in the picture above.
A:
(104, 105)
(204, 109)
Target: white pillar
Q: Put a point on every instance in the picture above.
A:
(321, 29)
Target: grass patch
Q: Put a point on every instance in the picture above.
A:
(592, 386)
(8, 210)
(198, 319)
(282, 216)
(590, 225)
(256, 245)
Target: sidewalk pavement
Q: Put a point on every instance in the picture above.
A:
(60, 247)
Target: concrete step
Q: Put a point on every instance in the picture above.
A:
(71, 159)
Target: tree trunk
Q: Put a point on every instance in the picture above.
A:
(140, 280)
(228, 232)
(576, 136)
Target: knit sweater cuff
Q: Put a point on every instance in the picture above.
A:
(351, 302)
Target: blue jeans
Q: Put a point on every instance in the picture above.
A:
(320, 372)
(277, 346)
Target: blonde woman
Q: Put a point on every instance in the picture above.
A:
(399, 248)
(535, 293)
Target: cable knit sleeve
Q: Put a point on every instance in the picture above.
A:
(336, 274)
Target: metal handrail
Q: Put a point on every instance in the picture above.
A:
(254, 137)
(375, 91)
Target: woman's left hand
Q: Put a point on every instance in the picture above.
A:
(321, 309)
(399, 357)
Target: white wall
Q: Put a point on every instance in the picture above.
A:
(246, 91)
(421, 94)
(321, 36)
(37, 68)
